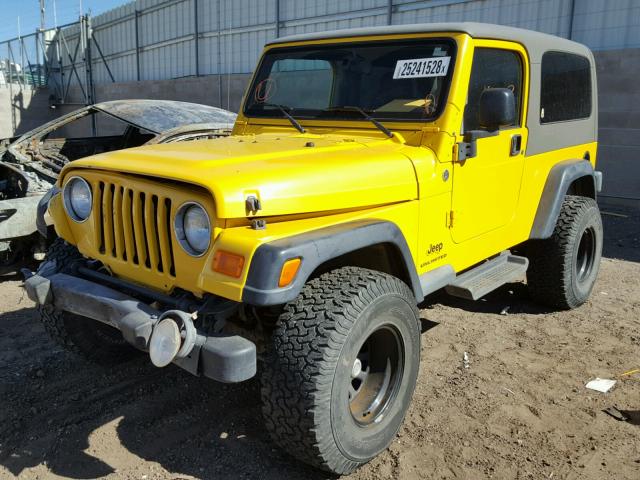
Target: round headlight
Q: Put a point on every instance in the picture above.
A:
(165, 342)
(193, 229)
(77, 199)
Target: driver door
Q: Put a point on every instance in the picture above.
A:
(486, 187)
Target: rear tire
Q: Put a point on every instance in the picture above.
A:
(84, 336)
(563, 268)
(342, 368)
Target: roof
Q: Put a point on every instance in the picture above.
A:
(536, 43)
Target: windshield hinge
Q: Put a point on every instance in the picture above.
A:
(240, 126)
(258, 224)
(464, 150)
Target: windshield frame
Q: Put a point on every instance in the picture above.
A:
(451, 41)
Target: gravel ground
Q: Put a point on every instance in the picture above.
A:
(519, 411)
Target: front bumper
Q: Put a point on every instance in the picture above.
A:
(225, 358)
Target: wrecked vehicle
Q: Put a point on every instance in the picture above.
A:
(30, 164)
(368, 168)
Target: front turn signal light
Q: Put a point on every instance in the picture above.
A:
(289, 271)
(228, 263)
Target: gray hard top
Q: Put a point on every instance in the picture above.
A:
(536, 43)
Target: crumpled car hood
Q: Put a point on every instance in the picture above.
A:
(159, 116)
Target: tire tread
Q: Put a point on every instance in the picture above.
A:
(550, 272)
(298, 374)
(79, 335)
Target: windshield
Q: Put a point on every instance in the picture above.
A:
(405, 80)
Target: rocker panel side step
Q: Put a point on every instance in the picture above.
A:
(485, 278)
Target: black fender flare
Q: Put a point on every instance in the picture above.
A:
(560, 178)
(315, 248)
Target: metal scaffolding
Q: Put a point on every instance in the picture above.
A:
(47, 58)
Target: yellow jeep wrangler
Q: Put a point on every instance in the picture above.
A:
(367, 169)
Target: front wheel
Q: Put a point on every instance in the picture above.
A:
(342, 368)
(97, 342)
(563, 268)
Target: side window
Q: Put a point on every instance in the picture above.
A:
(565, 93)
(492, 68)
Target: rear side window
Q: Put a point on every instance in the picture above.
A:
(565, 92)
(492, 68)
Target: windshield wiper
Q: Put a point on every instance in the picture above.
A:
(348, 108)
(285, 111)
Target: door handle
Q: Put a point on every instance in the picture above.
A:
(516, 144)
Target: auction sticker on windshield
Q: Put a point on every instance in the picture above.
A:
(422, 67)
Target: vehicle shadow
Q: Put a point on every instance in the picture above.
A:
(621, 241)
(10, 277)
(509, 298)
(426, 324)
(633, 416)
(81, 421)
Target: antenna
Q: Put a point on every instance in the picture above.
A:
(55, 15)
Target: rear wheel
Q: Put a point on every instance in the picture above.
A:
(342, 368)
(564, 267)
(95, 341)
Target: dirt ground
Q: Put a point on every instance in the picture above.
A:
(521, 409)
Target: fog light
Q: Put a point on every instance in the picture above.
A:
(165, 342)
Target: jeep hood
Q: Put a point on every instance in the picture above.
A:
(289, 173)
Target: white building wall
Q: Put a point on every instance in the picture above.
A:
(232, 33)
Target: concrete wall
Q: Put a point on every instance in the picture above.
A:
(204, 90)
(224, 92)
(22, 109)
(619, 122)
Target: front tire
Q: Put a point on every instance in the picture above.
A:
(564, 267)
(95, 341)
(342, 368)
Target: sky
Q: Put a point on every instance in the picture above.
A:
(29, 12)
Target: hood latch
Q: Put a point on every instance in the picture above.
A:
(253, 204)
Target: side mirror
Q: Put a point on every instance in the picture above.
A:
(497, 108)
